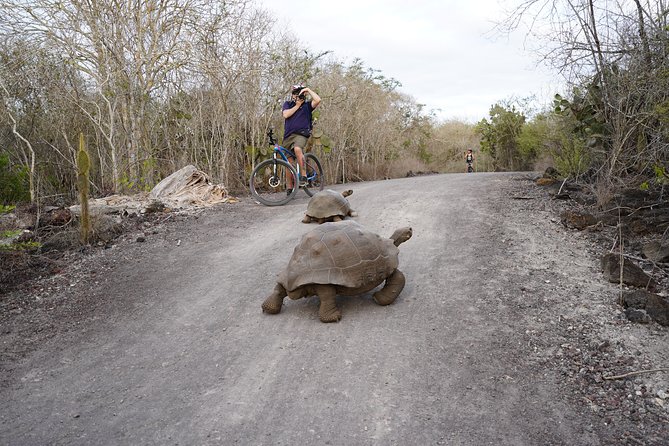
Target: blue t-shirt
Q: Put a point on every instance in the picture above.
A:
(300, 121)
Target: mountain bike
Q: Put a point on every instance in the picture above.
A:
(274, 182)
(470, 168)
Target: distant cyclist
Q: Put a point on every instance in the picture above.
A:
(298, 123)
(469, 159)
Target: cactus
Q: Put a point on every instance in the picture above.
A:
(83, 167)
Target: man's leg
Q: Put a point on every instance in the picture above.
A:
(300, 159)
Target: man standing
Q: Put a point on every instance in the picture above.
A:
(297, 126)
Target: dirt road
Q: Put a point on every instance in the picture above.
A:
(178, 351)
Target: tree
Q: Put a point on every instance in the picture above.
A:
(130, 54)
(616, 53)
(499, 137)
(155, 85)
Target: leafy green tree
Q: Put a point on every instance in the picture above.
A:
(499, 137)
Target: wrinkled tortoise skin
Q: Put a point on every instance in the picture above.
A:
(328, 205)
(340, 258)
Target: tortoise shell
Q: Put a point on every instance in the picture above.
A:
(343, 254)
(328, 203)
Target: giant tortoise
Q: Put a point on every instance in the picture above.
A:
(340, 258)
(328, 205)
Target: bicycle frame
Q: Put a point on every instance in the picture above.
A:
(286, 155)
(276, 175)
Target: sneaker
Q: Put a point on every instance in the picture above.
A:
(303, 181)
(288, 192)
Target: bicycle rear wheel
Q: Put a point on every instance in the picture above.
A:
(315, 179)
(271, 180)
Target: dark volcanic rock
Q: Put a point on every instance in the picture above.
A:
(632, 273)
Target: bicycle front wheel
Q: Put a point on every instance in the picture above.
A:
(273, 182)
(315, 179)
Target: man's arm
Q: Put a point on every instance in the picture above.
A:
(315, 99)
(288, 112)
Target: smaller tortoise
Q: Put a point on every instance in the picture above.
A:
(340, 258)
(329, 205)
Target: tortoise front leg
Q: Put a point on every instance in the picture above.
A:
(393, 287)
(328, 311)
(274, 301)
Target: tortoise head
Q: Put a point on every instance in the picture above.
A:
(401, 235)
(346, 193)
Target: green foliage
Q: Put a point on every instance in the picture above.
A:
(10, 233)
(661, 176)
(14, 182)
(326, 144)
(257, 153)
(423, 154)
(6, 209)
(499, 136)
(21, 246)
(533, 137)
(572, 157)
(126, 182)
(16, 246)
(662, 112)
(149, 168)
(585, 107)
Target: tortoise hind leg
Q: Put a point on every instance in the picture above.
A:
(274, 301)
(328, 311)
(393, 287)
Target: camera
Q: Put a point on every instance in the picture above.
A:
(302, 96)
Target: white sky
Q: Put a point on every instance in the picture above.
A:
(443, 52)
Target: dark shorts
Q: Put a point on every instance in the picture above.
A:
(294, 140)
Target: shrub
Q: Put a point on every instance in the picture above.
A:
(14, 182)
(572, 159)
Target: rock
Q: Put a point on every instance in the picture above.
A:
(656, 251)
(552, 173)
(55, 217)
(106, 227)
(657, 308)
(654, 306)
(18, 219)
(634, 299)
(26, 236)
(62, 241)
(546, 181)
(632, 274)
(577, 220)
(637, 316)
(156, 206)
(639, 226)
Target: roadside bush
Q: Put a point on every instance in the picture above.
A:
(572, 158)
(14, 182)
